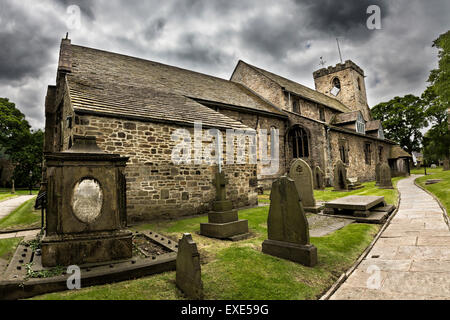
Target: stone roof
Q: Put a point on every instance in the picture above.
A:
(397, 152)
(346, 117)
(116, 84)
(302, 90)
(373, 125)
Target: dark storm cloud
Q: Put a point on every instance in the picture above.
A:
(24, 44)
(342, 18)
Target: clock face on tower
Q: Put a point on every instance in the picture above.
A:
(87, 200)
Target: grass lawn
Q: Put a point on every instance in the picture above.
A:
(429, 170)
(238, 270)
(440, 189)
(22, 217)
(7, 249)
(6, 193)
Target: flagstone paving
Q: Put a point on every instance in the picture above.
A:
(411, 259)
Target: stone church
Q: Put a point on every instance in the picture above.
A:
(132, 106)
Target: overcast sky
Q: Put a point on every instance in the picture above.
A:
(286, 37)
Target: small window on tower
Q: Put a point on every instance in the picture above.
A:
(336, 87)
(359, 84)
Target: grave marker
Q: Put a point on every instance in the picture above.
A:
(189, 277)
(287, 226)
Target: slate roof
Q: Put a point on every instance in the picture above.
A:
(373, 125)
(397, 152)
(346, 117)
(116, 84)
(302, 90)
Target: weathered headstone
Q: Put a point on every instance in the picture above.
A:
(319, 179)
(301, 173)
(433, 166)
(340, 182)
(86, 216)
(189, 276)
(223, 221)
(377, 173)
(287, 226)
(385, 177)
(13, 189)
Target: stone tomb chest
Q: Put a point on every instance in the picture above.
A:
(86, 212)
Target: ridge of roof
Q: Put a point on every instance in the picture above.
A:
(307, 93)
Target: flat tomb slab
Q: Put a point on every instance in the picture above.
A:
(154, 253)
(355, 203)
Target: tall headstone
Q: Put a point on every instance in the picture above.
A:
(13, 189)
(319, 179)
(301, 173)
(287, 226)
(385, 177)
(86, 216)
(189, 276)
(377, 173)
(223, 221)
(340, 182)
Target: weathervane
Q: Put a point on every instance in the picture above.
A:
(322, 62)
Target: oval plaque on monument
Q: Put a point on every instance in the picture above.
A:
(87, 200)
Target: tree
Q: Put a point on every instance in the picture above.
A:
(437, 99)
(14, 128)
(440, 78)
(22, 145)
(29, 158)
(402, 119)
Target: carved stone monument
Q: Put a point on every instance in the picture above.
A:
(189, 276)
(223, 221)
(385, 177)
(319, 179)
(86, 216)
(377, 173)
(287, 226)
(301, 173)
(340, 182)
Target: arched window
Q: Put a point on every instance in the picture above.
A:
(336, 86)
(298, 139)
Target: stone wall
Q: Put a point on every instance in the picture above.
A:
(256, 122)
(156, 187)
(357, 166)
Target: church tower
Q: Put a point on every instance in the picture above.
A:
(344, 82)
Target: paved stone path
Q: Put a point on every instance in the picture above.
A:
(411, 259)
(9, 205)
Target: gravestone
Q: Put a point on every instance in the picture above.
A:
(319, 180)
(377, 173)
(385, 177)
(301, 173)
(340, 182)
(86, 215)
(287, 226)
(189, 277)
(223, 221)
(433, 166)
